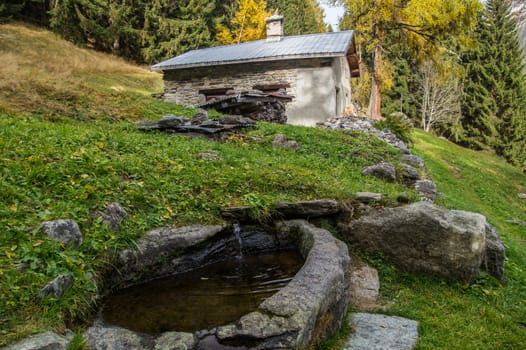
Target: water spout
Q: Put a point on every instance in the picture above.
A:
(237, 232)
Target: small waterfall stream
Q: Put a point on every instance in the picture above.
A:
(237, 232)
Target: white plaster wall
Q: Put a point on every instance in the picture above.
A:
(315, 98)
(343, 82)
(316, 93)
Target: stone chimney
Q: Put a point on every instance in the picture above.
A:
(274, 27)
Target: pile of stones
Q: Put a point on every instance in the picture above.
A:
(198, 125)
(366, 125)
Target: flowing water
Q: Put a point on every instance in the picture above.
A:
(237, 232)
(204, 298)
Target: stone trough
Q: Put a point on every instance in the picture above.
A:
(310, 308)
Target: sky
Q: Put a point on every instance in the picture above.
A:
(332, 14)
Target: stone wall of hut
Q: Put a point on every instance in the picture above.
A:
(316, 84)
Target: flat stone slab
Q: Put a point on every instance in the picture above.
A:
(365, 285)
(381, 332)
(307, 209)
(368, 197)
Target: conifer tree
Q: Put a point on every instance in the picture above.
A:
(300, 16)
(478, 106)
(173, 27)
(494, 107)
(79, 20)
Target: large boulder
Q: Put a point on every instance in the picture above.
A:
(423, 237)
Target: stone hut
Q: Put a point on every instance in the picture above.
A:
(314, 69)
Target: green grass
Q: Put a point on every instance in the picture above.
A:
(68, 147)
(67, 169)
(484, 315)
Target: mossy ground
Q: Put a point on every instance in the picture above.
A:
(68, 147)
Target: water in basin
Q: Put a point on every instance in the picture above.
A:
(204, 298)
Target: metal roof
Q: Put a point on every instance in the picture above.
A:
(332, 44)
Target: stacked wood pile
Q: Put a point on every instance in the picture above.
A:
(256, 105)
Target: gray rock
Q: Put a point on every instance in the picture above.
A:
(409, 175)
(413, 160)
(494, 254)
(308, 209)
(365, 285)
(423, 237)
(282, 141)
(148, 125)
(200, 117)
(427, 189)
(104, 337)
(209, 156)
(522, 195)
(64, 231)
(157, 252)
(403, 198)
(365, 125)
(211, 123)
(171, 121)
(237, 213)
(236, 120)
(43, 341)
(394, 141)
(57, 287)
(383, 171)
(380, 332)
(114, 215)
(175, 341)
(368, 197)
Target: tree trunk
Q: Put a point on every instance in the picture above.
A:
(375, 100)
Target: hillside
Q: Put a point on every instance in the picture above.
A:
(68, 147)
(53, 78)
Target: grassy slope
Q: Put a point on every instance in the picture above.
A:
(62, 162)
(67, 148)
(484, 315)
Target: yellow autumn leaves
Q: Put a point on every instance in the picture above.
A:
(247, 24)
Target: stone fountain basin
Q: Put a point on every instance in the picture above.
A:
(310, 308)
